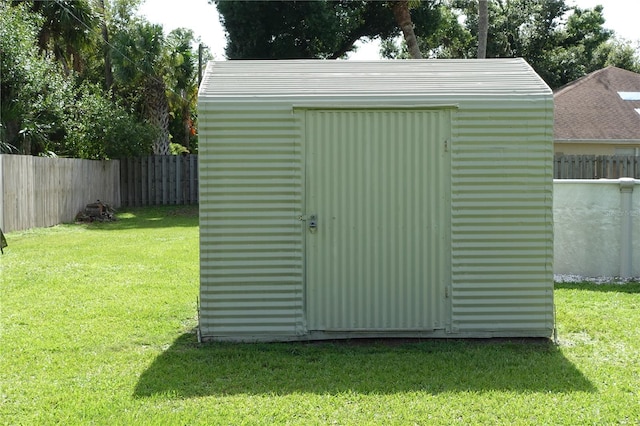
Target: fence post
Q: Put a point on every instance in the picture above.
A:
(626, 239)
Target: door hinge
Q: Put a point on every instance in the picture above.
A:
(446, 292)
(446, 145)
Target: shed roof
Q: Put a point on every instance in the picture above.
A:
(251, 78)
(592, 107)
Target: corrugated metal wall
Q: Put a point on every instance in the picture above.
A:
(253, 147)
(502, 219)
(250, 236)
(501, 226)
(378, 182)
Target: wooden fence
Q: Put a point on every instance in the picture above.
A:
(159, 180)
(596, 166)
(36, 191)
(39, 192)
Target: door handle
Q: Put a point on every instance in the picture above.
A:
(313, 222)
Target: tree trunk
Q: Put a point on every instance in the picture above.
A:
(186, 124)
(108, 70)
(12, 133)
(483, 28)
(157, 112)
(26, 145)
(403, 19)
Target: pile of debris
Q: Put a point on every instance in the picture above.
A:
(98, 211)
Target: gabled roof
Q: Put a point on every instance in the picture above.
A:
(591, 107)
(338, 79)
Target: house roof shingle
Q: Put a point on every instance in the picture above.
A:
(590, 108)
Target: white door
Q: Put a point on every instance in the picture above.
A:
(378, 219)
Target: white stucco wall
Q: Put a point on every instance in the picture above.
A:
(589, 230)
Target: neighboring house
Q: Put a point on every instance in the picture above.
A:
(599, 114)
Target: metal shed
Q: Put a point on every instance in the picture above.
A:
(345, 199)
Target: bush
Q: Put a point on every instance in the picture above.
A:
(98, 128)
(33, 93)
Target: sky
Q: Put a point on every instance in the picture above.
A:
(622, 16)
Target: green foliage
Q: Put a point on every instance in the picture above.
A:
(34, 94)
(561, 43)
(5, 147)
(177, 149)
(183, 79)
(65, 30)
(616, 53)
(448, 39)
(309, 29)
(573, 54)
(441, 36)
(53, 59)
(139, 53)
(137, 61)
(97, 330)
(53, 69)
(101, 129)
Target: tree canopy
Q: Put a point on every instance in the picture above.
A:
(92, 79)
(313, 29)
(561, 42)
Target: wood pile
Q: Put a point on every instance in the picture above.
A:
(97, 211)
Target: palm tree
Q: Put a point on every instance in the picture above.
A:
(65, 30)
(183, 77)
(108, 69)
(140, 64)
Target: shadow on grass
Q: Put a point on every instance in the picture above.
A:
(188, 369)
(151, 217)
(629, 288)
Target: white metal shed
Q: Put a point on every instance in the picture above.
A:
(398, 198)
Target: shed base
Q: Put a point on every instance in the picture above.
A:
(343, 335)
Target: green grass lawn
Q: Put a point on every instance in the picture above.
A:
(97, 327)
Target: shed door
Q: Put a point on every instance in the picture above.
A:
(378, 191)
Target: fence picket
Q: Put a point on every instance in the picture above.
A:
(193, 179)
(37, 191)
(159, 180)
(596, 167)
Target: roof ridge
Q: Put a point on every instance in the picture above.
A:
(580, 81)
(585, 78)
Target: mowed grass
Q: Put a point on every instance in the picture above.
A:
(97, 327)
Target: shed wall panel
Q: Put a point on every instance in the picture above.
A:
(502, 229)
(251, 198)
